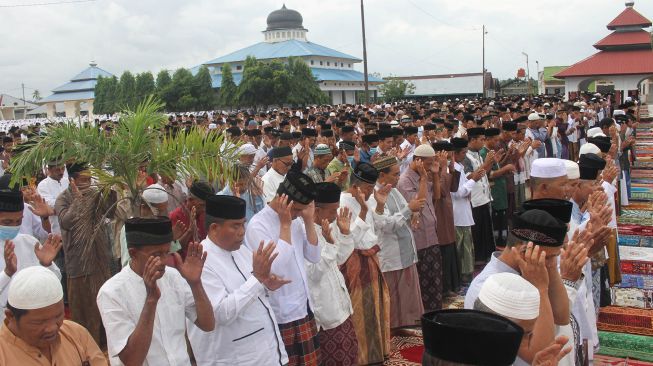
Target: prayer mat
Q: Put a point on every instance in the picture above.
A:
(300, 339)
(644, 282)
(625, 320)
(626, 345)
(632, 297)
(636, 254)
(406, 351)
(338, 346)
(601, 360)
(636, 230)
(636, 267)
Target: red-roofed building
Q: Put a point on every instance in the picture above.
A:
(624, 60)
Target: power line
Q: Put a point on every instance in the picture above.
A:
(46, 3)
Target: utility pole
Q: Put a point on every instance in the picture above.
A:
(537, 69)
(528, 75)
(367, 98)
(484, 84)
(24, 103)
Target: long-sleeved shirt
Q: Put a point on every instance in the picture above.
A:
(121, 300)
(289, 302)
(271, 182)
(481, 194)
(362, 231)
(444, 207)
(49, 189)
(396, 241)
(246, 331)
(461, 199)
(327, 287)
(25, 257)
(32, 224)
(426, 234)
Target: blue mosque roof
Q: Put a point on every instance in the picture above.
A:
(319, 73)
(81, 86)
(293, 47)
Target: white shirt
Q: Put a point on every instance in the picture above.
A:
(271, 181)
(261, 153)
(363, 231)
(610, 190)
(571, 123)
(25, 257)
(50, 189)
(246, 332)
(481, 191)
(289, 302)
(326, 284)
(461, 199)
(295, 153)
(495, 265)
(121, 301)
(32, 225)
(409, 158)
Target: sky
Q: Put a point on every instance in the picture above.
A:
(43, 46)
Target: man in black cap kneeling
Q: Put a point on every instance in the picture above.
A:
(142, 305)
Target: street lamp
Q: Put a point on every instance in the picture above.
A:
(528, 74)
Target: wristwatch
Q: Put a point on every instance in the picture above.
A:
(572, 284)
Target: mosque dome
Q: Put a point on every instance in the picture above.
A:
(285, 18)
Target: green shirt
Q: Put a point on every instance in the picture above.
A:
(336, 166)
(498, 187)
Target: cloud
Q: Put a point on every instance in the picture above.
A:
(44, 46)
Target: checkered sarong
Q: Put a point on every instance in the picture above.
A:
(300, 339)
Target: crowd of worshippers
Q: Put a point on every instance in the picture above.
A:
(343, 227)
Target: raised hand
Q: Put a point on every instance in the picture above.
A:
(416, 204)
(74, 188)
(551, 355)
(274, 282)
(357, 155)
(49, 250)
(261, 163)
(39, 207)
(191, 268)
(478, 174)
(343, 220)
(326, 231)
(308, 213)
(153, 271)
(414, 220)
(360, 198)
(499, 155)
(381, 194)
(283, 208)
(532, 265)
(573, 258)
(11, 262)
(489, 158)
(180, 231)
(262, 260)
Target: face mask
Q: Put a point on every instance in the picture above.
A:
(8, 232)
(373, 150)
(350, 159)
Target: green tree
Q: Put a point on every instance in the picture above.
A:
(202, 91)
(144, 85)
(395, 89)
(303, 85)
(112, 95)
(180, 95)
(127, 94)
(264, 83)
(228, 89)
(100, 92)
(163, 85)
(36, 95)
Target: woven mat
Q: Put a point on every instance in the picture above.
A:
(639, 254)
(406, 351)
(632, 297)
(602, 360)
(636, 267)
(634, 229)
(644, 282)
(626, 345)
(636, 241)
(625, 320)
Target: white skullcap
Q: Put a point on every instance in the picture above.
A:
(424, 151)
(247, 149)
(534, 117)
(332, 114)
(394, 123)
(573, 172)
(618, 112)
(548, 168)
(511, 296)
(265, 122)
(212, 126)
(155, 193)
(34, 287)
(588, 148)
(595, 131)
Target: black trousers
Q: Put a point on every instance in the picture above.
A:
(483, 233)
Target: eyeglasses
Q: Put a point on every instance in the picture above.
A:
(287, 163)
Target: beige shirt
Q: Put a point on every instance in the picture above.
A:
(74, 347)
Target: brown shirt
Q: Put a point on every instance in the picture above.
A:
(74, 347)
(425, 235)
(444, 208)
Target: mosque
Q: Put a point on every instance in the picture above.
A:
(285, 36)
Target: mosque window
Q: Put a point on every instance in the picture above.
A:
(238, 67)
(312, 62)
(350, 66)
(328, 63)
(342, 64)
(321, 63)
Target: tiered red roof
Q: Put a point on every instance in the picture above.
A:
(640, 37)
(629, 17)
(627, 51)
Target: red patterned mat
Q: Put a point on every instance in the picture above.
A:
(601, 360)
(406, 351)
(626, 320)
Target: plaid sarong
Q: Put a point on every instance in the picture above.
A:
(300, 339)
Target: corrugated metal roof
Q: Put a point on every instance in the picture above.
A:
(76, 86)
(61, 97)
(625, 38)
(293, 47)
(320, 74)
(91, 72)
(629, 17)
(612, 63)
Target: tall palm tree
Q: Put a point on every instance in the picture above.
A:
(36, 96)
(115, 161)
